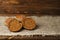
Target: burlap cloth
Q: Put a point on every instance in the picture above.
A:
(46, 25)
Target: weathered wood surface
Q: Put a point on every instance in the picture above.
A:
(30, 6)
(31, 37)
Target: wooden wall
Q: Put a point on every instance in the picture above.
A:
(31, 6)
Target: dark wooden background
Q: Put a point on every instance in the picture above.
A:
(48, 7)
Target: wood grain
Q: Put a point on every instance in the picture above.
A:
(31, 37)
(31, 7)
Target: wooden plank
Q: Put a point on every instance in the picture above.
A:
(31, 6)
(31, 37)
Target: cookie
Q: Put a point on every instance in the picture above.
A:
(15, 25)
(29, 23)
(8, 21)
(20, 17)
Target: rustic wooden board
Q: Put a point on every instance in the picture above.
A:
(31, 6)
(30, 37)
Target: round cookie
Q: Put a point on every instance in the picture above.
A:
(20, 17)
(8, 21)
(15, 26)
(29, 23)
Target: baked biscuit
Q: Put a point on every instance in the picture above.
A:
(20, 17)
(8, 21)
(29, 23)
(15, 25)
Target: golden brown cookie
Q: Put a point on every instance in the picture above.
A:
(15, 25)
(8, 21)
(29, 23)
(20, 17)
